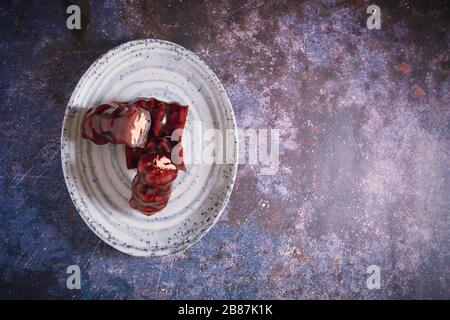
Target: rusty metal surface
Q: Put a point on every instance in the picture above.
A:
(364, 175)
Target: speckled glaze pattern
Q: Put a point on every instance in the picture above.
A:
(96, 176)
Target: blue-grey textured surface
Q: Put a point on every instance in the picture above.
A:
(364, 175)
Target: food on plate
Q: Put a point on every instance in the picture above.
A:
(117, 124)
(147, 127)
(165, 118)
(164, 146)
(152, 185)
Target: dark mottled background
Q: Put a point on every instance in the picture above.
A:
(364, 175)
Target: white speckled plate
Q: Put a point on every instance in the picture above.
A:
(96, 176)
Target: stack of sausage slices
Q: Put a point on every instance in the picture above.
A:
(151, 131)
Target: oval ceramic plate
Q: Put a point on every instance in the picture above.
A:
(96, 176)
